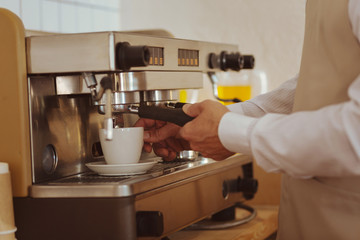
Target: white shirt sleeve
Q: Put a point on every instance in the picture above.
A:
(279, 100)
(236, 126)
(328, 146)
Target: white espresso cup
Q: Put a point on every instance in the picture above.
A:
(125, 147)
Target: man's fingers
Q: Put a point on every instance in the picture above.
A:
(147, 147)
(171, 156)
(161, 149)
(193, 110)
(145, 123)
(156, 135)
(174, 144)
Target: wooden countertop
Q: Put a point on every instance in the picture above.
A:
(261, 227)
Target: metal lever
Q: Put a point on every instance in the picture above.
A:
(173, 115)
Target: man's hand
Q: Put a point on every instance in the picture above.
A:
(202, 132)
(163, 137)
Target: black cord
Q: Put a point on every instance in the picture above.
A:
(212, 225)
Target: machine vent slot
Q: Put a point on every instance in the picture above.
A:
(156, 56)
(188, 57)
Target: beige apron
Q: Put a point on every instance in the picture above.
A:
(323, 208)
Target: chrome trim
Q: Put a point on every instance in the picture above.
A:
(123, 98)
(132, 82)
(141, 81)
(161, 95)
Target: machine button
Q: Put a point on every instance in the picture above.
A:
(249, 61)
(248, 186)
(214, 61)
(128, 56)
(233, 61)
(49, 159)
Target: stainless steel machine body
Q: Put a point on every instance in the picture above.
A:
(67, 108)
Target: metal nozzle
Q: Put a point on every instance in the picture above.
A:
(133, 109)
(91, 83)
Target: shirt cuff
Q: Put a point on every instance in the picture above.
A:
(236, 108)
(234, 130)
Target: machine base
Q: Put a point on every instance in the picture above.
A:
(75, 218)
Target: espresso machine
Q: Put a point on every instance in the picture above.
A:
(70, 86)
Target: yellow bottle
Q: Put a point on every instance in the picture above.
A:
(242, 93)
(241, 86)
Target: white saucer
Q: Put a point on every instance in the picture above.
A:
(102, 168)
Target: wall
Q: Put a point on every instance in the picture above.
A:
(66, 16)
(271, 30)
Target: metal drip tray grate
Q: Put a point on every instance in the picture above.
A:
(167, 167)
(90, 177)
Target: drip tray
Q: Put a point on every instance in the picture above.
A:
(162, 175)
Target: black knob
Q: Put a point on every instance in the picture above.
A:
(128, 56)
(233, 61)
(248, 186)
(149, 224)
(214, 61)
(106, 83)
(249, 61)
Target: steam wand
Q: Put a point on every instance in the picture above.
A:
(105, 87)
(106, 84)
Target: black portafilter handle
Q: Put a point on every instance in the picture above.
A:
(179, 104)
(174, 115)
